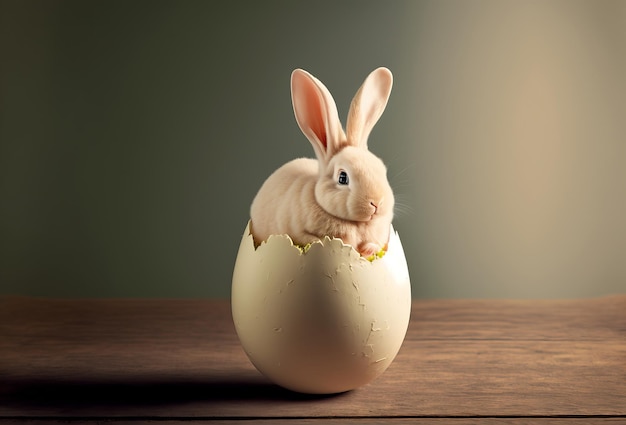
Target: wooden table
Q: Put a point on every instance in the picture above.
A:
(164, 361)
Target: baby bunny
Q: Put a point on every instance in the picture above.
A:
(345, 192)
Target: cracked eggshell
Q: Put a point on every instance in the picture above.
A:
(321, 322)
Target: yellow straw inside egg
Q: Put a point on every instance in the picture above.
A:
(379, 254)
(303, 248)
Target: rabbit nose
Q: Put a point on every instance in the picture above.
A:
(375, 206)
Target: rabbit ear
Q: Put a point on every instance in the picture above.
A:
(316, 114)
(368, 105)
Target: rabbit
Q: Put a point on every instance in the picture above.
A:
(344, 193)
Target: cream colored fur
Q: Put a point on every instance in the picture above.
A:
(304, 199)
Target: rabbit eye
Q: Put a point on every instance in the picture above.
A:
(343, 178)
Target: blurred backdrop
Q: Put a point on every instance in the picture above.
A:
(134, 135)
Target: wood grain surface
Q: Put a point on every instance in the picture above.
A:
(462, 362)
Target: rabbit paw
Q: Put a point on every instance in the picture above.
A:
(368, 249)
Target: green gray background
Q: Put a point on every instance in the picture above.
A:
(134, 135)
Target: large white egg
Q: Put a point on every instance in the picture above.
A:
(324, 321)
